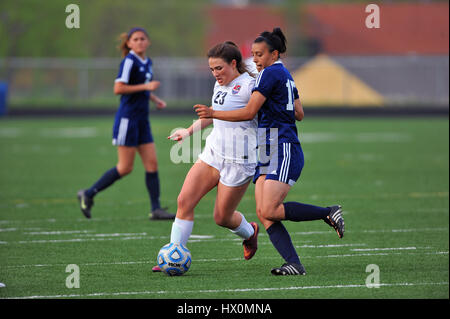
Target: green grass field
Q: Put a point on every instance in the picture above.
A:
(391, 175)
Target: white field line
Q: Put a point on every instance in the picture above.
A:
(115, 235)
(202, 236)
(376, 137)
(79, 240)
(69, 132)
(108, 237)
(86, 232)
(11, 132)
(58, 232)
(92, 220)
(209, 260)
(236, 290)
(143, 236)
(330, 246)
(358, 255)
(7, 229)
(407, 230)
(375, 249)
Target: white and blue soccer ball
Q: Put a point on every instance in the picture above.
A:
(174, 259)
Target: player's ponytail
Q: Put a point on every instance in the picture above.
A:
(275, 40)
(229, 51)
(123, 47)
(281, 44)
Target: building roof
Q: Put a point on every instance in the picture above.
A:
(241, 24)
(418, 28)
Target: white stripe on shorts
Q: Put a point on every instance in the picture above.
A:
(123, 128)
(284, 170)
(282, 163)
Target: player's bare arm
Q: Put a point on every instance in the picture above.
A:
(123, 88)
(160, 104)
(246, 113)
(299, 113)
(181, 134)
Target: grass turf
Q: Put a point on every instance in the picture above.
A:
(390, 175)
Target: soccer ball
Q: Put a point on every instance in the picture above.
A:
(174, 259)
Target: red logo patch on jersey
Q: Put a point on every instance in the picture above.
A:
(236, 89)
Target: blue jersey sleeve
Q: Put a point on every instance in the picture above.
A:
(296, 95)
(265, 83)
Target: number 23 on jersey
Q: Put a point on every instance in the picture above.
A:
(219, 98)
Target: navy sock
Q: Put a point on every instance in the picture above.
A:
(281, 240)
(298, 212)
(152, 182)
(105, 181)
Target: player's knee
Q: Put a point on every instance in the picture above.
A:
(152, 166)
(124, 169)
(181, 202)
(264, 215)
(221, 219)
(184, 203)
(261, 216)
(266, 212)
(259, 212)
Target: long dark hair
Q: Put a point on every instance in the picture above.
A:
(275, 40)
(229, 51)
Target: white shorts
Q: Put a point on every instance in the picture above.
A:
(232, 174)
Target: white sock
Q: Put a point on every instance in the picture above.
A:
(181, 231)
(245, 230)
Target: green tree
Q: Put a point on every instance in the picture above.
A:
(37, 28)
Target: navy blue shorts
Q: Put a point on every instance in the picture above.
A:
(283, 163)
(131, 132)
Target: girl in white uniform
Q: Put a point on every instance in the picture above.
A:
(229, 158)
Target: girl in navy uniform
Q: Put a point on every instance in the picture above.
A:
(131, 130)
(276, 101)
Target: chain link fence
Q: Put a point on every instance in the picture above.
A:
(78, 83)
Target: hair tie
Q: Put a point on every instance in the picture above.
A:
(133, 30)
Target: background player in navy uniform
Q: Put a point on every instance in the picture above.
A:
(131, 130)
(275, 98)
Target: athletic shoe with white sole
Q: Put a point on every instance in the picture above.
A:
(86, 203)
(289, 269)
(335, 220)
(161, 214)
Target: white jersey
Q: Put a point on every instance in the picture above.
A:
(234, 141)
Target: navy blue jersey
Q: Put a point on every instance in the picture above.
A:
(134, 70)
(276, 84)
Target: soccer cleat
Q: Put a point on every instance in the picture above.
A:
(289, 269)
(251, 244)
(161, 214)
(335, 220)
(156, 269)
(86, 203)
